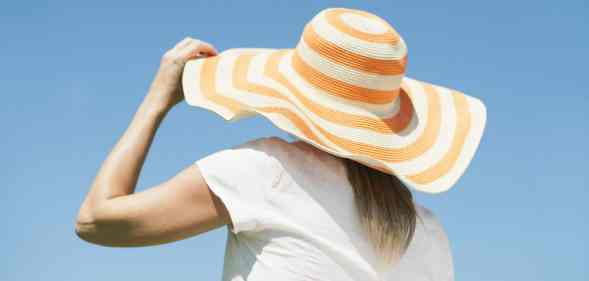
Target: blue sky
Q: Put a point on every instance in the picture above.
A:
(74, 72)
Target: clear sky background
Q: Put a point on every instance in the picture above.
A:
(73, 73)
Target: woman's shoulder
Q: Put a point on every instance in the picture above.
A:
(268, 144)
(277, 145)
(266, 141)
(434, 229)
(428, 218)
(294, 154)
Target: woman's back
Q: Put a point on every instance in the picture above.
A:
(293, 218)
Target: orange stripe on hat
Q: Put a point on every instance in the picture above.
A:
(208, 89)
(462, 127)
(296, 120)
(353, 60)
(340, 88)
(393, 155)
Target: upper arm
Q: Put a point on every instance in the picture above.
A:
(176, 209)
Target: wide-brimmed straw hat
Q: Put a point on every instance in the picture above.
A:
(343, 90)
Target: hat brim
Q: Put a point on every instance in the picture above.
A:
(427, 140)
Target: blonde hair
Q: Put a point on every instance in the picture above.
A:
(385, 208)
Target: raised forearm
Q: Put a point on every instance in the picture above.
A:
(120, 170)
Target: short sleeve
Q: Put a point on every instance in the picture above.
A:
(241, 176)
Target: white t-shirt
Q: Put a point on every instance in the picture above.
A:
(293, 218)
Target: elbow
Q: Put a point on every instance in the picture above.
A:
(86, 224)
(86, 227)
(100, 227)
(86, 230)
(93, 234)
(101, 232)
(82, 232)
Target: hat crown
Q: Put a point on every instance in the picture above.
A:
(354, 54)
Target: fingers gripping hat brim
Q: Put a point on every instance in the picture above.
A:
(426, 135)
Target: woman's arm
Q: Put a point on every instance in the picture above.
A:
(119, 172)
(111, 213)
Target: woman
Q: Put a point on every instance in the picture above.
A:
(334, 204)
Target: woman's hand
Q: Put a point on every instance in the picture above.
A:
(166, 89)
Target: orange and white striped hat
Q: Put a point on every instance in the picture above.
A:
(343, 90)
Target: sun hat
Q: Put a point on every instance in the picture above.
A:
(343, 90)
